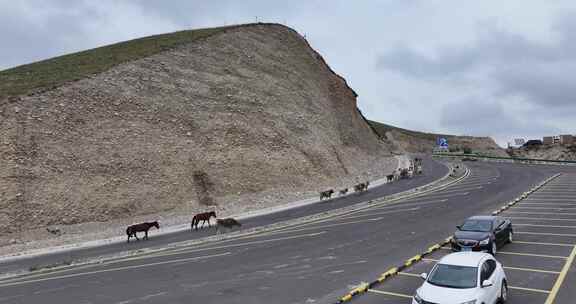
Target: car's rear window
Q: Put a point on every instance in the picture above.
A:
(452, 276)
(477, 225)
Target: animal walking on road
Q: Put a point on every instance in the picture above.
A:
(326, 194)
(361, 187)
(204, 217)
(227, 223)
(132, 230)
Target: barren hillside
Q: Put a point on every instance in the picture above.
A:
(420, 142)
(546, 152)
(236, 115)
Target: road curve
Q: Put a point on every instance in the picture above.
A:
(310, 263)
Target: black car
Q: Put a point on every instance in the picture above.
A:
(482, 233)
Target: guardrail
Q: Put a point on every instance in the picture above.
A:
(513, 159)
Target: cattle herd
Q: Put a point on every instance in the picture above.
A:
(415, 168)
(200, 219)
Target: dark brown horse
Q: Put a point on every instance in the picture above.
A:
(228, 223)
(326, 194)
(131, 230)
(204, 217)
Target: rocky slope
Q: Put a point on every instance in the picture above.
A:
(420, 142)
(250, 114)
(545, 152)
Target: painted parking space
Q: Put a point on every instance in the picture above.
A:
(536, 263)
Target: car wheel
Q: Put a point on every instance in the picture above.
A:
(510, 237)
(503, 293)
(494, 249)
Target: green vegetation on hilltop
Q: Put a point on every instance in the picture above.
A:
(56, 71)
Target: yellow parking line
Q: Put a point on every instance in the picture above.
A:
(547, 226)
(546, 244)
(561, 277)
(530, 289)
(543, 233)
(394, 294)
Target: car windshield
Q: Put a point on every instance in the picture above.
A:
(452, 276)
(477, 225)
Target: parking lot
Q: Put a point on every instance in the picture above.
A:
(536, 263)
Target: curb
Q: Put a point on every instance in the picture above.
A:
(364, 287)
(274, 226)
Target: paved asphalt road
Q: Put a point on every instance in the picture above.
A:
(433, 171)
(311, 263)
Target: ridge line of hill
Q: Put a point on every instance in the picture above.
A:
(44, 75)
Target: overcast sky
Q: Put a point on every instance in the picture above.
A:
(495, 68)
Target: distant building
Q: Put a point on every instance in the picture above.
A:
(548, 140)
(566, 140)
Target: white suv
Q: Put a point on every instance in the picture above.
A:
(464, 278)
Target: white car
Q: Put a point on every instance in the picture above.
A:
(464, 278)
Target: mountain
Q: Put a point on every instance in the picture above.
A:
(420, 142)
(184, 122)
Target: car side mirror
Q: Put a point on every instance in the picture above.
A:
(487, 283)
(424, 276)
(458, 227)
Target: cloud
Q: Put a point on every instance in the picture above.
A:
(473, 116)
(34, 30)
(524, 81)
(491, 49)
(519, 61)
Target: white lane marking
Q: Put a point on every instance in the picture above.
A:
(379, 213)
(539, 219)
(309, 227)
(41, 291)
(546, 234)
(112, 270)
(542, 213)
(439, 195)
(552, 205)
(544, 244)
(461, 189)
(543, 208)
(409, 203)
(546, 226)
(11, 297)
(144, 298)
(188, 250)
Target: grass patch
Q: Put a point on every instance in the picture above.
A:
(56, 71)
(381, 129)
